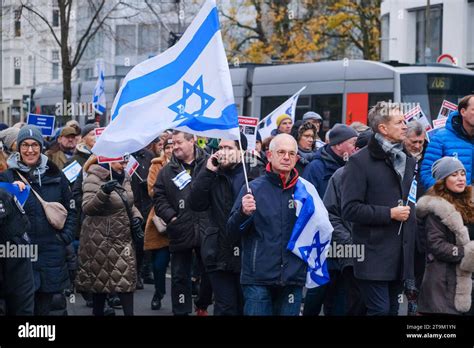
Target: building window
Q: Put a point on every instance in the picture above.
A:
(385, 39)
(55, 20)
(429, 53)
(470, 34)
(55, 65)
(17, 71)
(17, 22)
(148, 37)
(125, 39)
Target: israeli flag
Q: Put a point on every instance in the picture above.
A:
(413, 190)
(187, 87)
(288, 107)
(312, 233)
(98, 98)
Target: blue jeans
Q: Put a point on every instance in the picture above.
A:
(272, 300)
(160, 259)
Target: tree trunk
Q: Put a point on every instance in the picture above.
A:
(66, 63)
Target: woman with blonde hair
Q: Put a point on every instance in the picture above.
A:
(155, 241)
(448, 213)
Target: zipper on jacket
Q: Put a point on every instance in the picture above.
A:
(254, 256)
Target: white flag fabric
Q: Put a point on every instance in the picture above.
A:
(312, 233)
(187, 87)
(288, 107)
(98, 98)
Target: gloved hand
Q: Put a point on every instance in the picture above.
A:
(137, 231)
(109, 186)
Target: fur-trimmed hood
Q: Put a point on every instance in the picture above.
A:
(447, 213)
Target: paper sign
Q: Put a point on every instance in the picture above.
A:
(132, 165)
(446, 108)
(248, 126)
(43, 122)
(417, 114)
(15, 190)
(439, 123)
(102, 159)
(72, 171)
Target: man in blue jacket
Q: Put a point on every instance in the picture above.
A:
(272, 277)
(457, 140)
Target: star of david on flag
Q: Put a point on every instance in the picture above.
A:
(187, 87)
(311, 234)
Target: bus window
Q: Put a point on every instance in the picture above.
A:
(329, 106)
(374, 98)
(431, 89)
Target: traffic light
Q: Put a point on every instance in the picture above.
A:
(25, 102)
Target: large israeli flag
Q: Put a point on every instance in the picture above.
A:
(187, 87)
(312, 233)
(288, 107)
(98, 98)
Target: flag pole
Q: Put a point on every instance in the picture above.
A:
(110, 167)
(245, 168)
(139, 177)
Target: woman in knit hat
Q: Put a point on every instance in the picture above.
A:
(448, 213)
(50, 270)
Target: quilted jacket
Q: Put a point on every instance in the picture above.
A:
(106, 253)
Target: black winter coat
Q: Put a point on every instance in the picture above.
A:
(142, 199)
(342, 234)
(184, 233)
(215, 192)
(50, 271)
(370, 188)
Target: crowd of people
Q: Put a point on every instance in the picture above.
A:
(406, 203)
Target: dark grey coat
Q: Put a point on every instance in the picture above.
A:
(342, 228)
(370, 188)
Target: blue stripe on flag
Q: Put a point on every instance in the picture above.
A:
(307, 210)
(171, 73)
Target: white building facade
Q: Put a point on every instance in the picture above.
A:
(31, 59)
(406, 38)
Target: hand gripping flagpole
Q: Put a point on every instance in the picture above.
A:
(408, 198)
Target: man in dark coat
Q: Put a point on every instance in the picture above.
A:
(215, 190)
(375, 188)
(328, 159)
(184, 227)
(341, 237)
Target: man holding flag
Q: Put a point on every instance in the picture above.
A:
(285, 234)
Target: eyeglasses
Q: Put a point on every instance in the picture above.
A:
(283, 153)
(34, 146)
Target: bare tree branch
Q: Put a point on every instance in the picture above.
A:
(44, 19)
